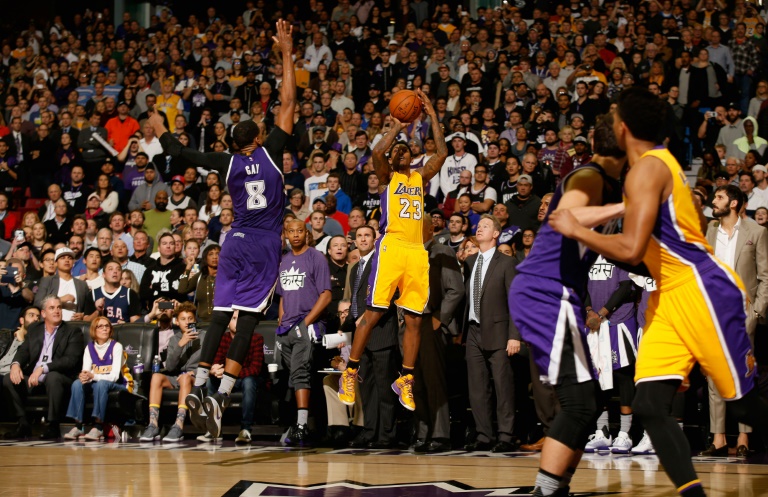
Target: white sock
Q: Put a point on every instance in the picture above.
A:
(626, 423)
(602, 421)
(227, 384)
(303, 416)
(201, 376)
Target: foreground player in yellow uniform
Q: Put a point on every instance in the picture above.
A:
(698, 312)
(400, 261)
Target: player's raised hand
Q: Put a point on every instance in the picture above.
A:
(426, 102)
(284, 39)
(155, 119)
(396, 124)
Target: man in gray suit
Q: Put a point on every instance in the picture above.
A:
(72, 291)
(380, 362)
(446, 290)
(492, 339)
(742, 245)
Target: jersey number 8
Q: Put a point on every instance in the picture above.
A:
(256, 198)
(404, 212)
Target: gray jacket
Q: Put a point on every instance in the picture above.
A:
(147, 192)
(183, 359)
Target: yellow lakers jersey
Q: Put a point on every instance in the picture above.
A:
(402, 208)
(677, 244)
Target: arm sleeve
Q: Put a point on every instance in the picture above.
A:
(134, 306)
(217, 161)
(620, 296)
(188, 283)
(275, 144)
(110, 203)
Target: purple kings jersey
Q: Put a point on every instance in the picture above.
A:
(256, 186)
(604, 280)
(562, 259)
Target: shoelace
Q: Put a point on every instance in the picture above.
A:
(349, 381)
(408, 390)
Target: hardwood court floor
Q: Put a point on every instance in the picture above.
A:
(32, 469)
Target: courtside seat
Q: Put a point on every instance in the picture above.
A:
(136, 338)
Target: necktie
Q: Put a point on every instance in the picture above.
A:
(356, 287)
(477, 286)
(19, 155)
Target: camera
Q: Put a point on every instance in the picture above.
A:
(19, 234)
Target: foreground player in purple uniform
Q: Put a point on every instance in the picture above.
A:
(553, 281)
(249, 262)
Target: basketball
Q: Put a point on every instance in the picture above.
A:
(405, 106)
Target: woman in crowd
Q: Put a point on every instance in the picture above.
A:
(128, 280)
(102, 373)
(39, 237)
(107, 196)
(212, 206)
(201, 282)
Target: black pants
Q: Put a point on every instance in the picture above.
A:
(56, 386)
(378, 369)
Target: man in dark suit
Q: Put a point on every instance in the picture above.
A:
(492, 339)
(446, 291)
(381, 360)
(59, 229)
(72, 292)
(49, 360)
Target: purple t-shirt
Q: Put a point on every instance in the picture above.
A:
(302, 279)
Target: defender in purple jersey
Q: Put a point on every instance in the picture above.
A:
(546, 302)
(249, 262)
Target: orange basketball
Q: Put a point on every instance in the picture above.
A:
(405, 106)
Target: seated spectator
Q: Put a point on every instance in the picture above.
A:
(128, 280)
(94, 211)
(107, 195)
(71, 292)
(180, 366)
(143, 196)
(201, 281)
(117, 303)
(13, 296)
(28, 316)
(102, 372)
(119, 254)
(39, 367)
(247, 382)
(212, 206)
(9, 218)
(179, 198)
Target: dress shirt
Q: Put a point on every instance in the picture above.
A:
(487, 255)
(725, 246)
(46, 355)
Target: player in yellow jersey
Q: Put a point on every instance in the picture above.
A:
(697, 314)
(400, 260)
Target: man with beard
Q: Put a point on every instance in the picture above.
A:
(580, 156)
(77, 245)
(159, 217)
(143, 196)
(76, 192)
(732, 130)
(136, 221)
(742, 246)
(523, 208)
(552, 155)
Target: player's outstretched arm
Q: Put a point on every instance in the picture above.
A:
(645, 188)
(284, 43)
(596, 215)
(379, 153)
(433, 165)
(218, 161)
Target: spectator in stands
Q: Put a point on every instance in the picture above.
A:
(159, 217)
(119, 254)
(108, 197)
(71, 292)
(19, 330)
(39, 367)
(180, 366)
(305, 288)
(202, 282)
(179, 199)
(523, 208)
(161, 278)
(14, 297)
(102, 372)
(316, 185)
(117, 303)
(59, 228)
(212, 206)
(144, 194)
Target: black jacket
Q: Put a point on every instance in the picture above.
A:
(67, 351)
